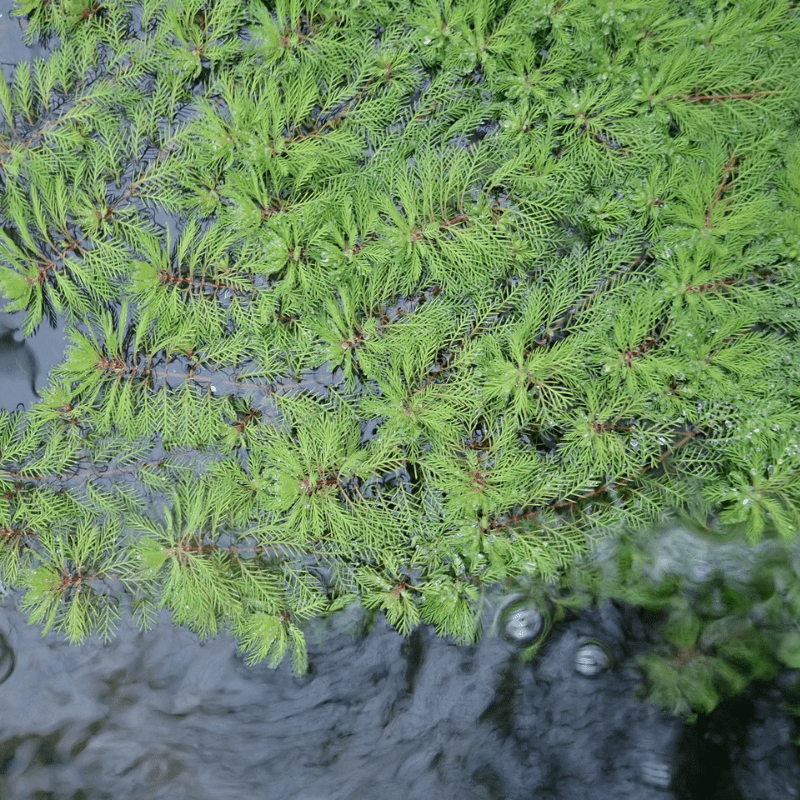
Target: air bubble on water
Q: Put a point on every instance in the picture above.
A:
(656, 772)
(591, 659)
(523, 625)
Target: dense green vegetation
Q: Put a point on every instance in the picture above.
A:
(394, 301)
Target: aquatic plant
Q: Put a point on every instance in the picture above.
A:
(391, 301)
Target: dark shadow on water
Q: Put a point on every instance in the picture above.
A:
(26, 363)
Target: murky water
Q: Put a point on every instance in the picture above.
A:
(12, 48)
(159, 715)
(26, 363)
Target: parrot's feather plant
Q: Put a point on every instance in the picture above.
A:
(391, 301)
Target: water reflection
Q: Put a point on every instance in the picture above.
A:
(25, 364)
(18, 368)
(12, 48)
(158, 715)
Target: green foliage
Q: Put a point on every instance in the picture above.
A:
(447, 292)
(720, 626)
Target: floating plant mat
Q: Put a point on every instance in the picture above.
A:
(391, 302)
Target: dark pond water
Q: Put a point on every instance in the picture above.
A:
(159, 715)
(12, 48)
(26, 363)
